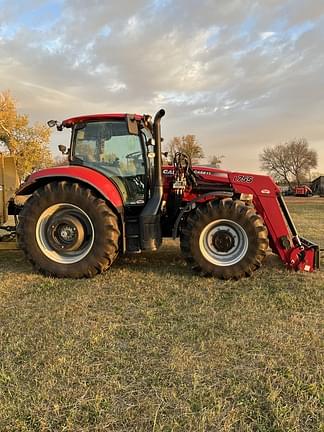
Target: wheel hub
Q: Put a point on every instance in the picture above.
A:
(223, 241)
(64, 233)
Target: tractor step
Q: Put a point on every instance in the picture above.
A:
(133, 244)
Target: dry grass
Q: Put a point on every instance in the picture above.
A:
(308, 215)
(150, 347)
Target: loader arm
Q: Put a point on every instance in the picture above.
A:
(296, 252)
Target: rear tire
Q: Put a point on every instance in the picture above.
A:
(225, 239)
(65, 230)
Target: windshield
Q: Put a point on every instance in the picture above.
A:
(108, 147)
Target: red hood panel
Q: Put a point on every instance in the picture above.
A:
(206, 173)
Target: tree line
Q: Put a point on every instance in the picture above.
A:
(288, 163)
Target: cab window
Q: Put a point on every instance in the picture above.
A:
(108, 147)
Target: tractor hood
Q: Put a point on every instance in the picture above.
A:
(205, 173)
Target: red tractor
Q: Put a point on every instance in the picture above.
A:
(303, 191)
(115, 197)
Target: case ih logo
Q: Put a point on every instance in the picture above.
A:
(243, 179)
(202, 172)
(168, 172)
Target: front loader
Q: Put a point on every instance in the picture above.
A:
(114, 197)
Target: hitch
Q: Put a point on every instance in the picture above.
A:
(305, 256)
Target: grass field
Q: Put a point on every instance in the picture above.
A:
(150, 347)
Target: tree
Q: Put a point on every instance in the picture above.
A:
(28, 143)
(215, 161)
(290, 162)
(187, 144)
(303, 159)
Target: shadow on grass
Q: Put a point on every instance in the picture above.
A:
(14, 262)
(168, 260)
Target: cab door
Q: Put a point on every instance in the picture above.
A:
(108, 147)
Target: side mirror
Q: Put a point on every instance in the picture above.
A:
(52, 123)
(63, 149)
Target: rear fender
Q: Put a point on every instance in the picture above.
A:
(97, 181)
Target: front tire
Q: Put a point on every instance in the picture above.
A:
(225, 239)
(65, 230)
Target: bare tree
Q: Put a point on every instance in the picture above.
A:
(302, 158)
(275, 161)
(187, 144)
(290, 162)
(215, 161)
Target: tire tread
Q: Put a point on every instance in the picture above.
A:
(105, 248)
(237, 211)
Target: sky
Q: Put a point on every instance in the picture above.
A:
(241, 75)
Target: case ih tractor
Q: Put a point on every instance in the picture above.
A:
(115, 197)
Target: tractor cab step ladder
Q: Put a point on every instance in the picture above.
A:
(132, 230)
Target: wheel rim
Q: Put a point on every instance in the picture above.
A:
(223, 242)
(64, 233)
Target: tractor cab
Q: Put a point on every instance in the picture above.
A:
(126, 149)
(116, 146)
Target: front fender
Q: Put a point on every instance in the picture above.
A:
(106, 188)
(192, 204)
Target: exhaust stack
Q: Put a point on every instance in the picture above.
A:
(150, 227)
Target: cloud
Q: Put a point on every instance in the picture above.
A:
(241, 75)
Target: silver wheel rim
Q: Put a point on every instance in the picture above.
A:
(44, 223)
(220, 235)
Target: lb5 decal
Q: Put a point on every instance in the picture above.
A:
(243, 179)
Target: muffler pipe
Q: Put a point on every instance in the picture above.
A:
(150, 227)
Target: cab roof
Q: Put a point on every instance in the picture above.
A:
(97, 117)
